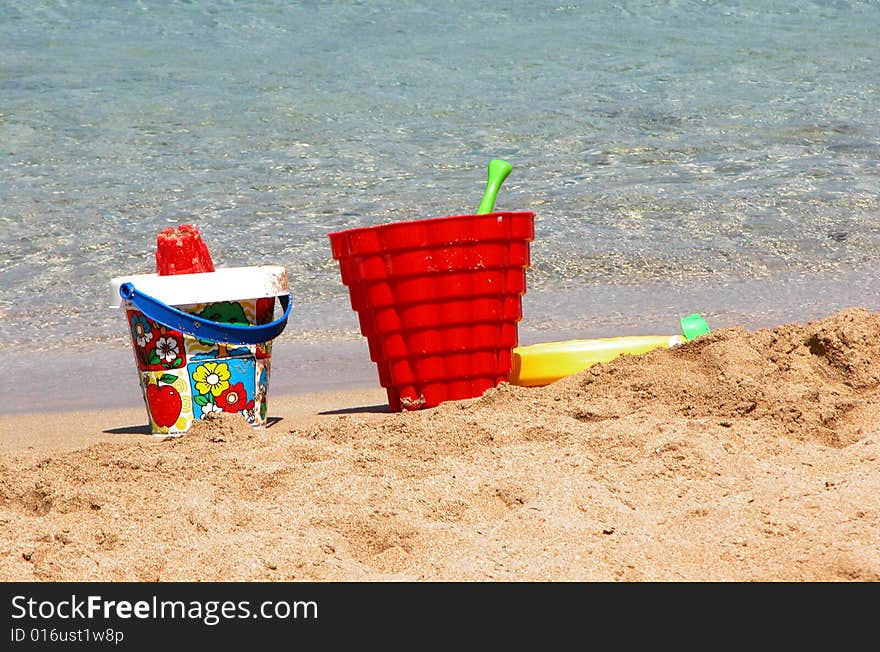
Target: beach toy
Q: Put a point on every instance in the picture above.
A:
(181, 250)
(542, 364)
(202, 341)
(439, 298)
(498, 171)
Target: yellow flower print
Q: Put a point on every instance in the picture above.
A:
(212, 377)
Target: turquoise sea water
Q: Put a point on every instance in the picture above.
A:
(713, 157)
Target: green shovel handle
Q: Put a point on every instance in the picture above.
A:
(498, 171)
(693, 326)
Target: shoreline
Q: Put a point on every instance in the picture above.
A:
(45, 379)
(322, 349)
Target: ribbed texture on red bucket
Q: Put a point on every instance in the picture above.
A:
(438, 301)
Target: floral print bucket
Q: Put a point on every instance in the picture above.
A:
(203, 342)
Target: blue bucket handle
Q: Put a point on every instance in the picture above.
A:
(205, 329)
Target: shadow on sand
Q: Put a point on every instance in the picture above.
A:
(377, 409)
(145, 429)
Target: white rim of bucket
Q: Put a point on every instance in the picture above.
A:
(223, 284)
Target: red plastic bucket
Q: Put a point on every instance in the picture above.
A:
(438, 300)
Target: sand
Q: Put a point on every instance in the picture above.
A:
(741, 456)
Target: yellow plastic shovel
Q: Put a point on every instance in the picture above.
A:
(542, 364)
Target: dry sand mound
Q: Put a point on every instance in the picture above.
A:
(817, 382)
(739, 456)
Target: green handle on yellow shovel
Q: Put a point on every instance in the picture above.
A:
(498, 171)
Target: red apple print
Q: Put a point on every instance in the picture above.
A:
(165, 404)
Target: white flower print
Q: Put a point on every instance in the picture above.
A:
(211, 407)
(167, 349)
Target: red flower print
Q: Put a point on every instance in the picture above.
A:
(233, 399)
